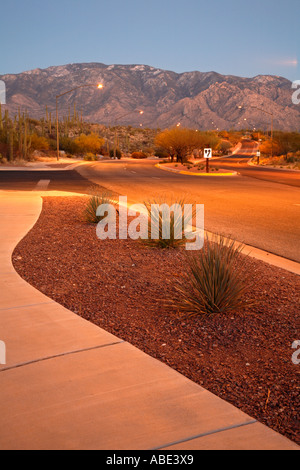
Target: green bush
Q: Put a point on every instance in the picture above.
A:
(213, 282)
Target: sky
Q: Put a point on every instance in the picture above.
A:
(232, 37)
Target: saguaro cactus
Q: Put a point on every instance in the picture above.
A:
(11, 145)
(1, 122)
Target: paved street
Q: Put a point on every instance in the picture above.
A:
(239, 163)
(259, 206)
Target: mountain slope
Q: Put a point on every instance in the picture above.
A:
(195, 99)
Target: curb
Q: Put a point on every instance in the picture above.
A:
(250, 163)
(257, 253)
(41, 168)
(182, 172)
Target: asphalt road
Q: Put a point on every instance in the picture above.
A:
(259, 207)
(239, 163)
(70, 181)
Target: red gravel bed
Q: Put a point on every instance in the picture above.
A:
(244, 357)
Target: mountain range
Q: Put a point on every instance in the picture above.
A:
(194, 99)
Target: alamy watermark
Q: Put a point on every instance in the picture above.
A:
(2, 92)
(2, 353)
(157, 220)
(296, 355)
(296, 94)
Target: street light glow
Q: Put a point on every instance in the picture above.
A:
(100, 86)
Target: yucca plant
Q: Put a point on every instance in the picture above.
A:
(213, 282)
(94, 201)
(167, 236)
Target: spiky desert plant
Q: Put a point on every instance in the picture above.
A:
(214, 282)
(11, 144)
(157, 217)
(25, 144)
(50, 124)
(95, 200)
(1, 121)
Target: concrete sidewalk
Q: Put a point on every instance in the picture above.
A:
(68, 384)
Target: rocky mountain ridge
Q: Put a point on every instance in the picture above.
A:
(193, 99)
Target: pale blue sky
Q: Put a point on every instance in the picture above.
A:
(236, 37)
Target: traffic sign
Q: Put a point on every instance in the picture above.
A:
(258, 153)
(207, 153)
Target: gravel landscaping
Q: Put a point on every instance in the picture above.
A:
(199, 167)
(244, 357)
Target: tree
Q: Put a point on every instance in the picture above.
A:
(224, 146)
(180, 142)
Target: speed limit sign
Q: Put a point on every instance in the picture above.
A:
(207, 153)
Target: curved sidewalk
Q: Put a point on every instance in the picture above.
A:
(68, 384)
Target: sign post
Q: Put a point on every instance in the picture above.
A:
(207, 156)
(258, 156)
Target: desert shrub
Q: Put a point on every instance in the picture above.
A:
(39, 143)
(34, 122)
(161, 153)
(66, 144)
(291, 158)
(213, 282)
(138, 155)
(2, 159)
(53, 144)
(118, 154)
(157, 218)
(104, 151)
(94, 201)
(90, 157)
(148, 150)
(91, 143)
